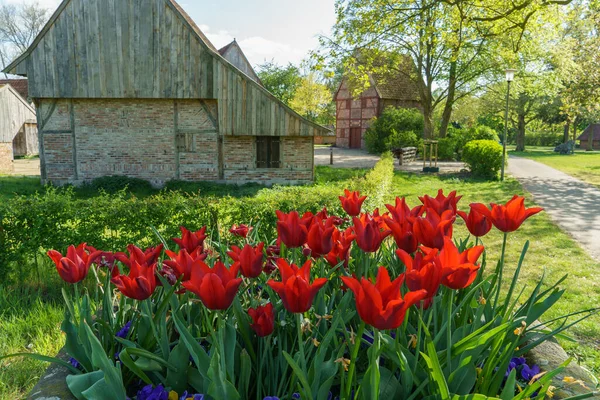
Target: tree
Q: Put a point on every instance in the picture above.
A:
(19, 25)
(313, 100)
(281, 81)
(452, 43)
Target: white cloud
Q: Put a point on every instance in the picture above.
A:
(257, 48)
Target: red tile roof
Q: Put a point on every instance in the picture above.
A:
(20, 85)
(595, 128)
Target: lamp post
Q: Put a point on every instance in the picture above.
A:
(510, 75)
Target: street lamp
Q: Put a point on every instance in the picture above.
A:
(510, 76)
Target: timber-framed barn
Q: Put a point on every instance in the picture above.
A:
(133, 87)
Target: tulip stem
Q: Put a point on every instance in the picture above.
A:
(357, 341)
(301, 342)
(500, 269)
(449, 331)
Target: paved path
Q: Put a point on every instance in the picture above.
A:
(571, 203)
(27, 167)
(354, 158)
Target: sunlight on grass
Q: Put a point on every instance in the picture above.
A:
(582, 165)
(551, 252)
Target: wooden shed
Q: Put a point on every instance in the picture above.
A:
(234, 54)
(355, 113)
(135, 88)
(18, 130)
(591, 132)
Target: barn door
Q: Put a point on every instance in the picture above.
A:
(355, 138)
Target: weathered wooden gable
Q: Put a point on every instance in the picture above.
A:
(148, 49)
(14, 112)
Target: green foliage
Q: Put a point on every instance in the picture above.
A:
(281, 81)
(402, 139)
(483, 157)
(451, 147)
(391, 127)
(447, 149)
(116, 183)
(544, 138)
(313, 100)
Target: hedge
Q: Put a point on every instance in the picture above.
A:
(31, 225)
(483, 157)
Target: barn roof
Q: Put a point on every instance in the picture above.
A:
(20, 85)
(233, 53)
(396, 85)
(591, 129)
(148, 49)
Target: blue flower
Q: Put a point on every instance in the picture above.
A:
(186, 396)
(528, 373)
(271, 398)
(150, 393)
(74, 363)
(124, 331)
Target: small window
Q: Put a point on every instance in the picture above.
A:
(267, 152)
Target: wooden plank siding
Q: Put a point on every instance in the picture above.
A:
(148, 49)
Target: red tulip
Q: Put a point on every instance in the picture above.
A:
(458, 269)
(191, 241)
(250, 259)
(352, 202)
(477, 223)
(216, 286)
(403, 234)
(319, 238)
(368, 233)
(291, 230)
(342, 241)
(401, 212)
(106, 259)
(422, 272)
(381, 304)
(441, 203)
(433, 228)
(183, 263)
(323, 215)
(263, 320)
(295, 289)
(147, 257)
(240, 230)
(140, 283)
(273, 253)
(509, 217)
(74, 267)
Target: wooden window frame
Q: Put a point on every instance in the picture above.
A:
(269, 142)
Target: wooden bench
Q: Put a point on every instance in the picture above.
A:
(405, 154)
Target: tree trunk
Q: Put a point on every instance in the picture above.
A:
(566, 131)
(427, 120)
(521, 133)
(447, 114)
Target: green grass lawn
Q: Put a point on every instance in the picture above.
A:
(584, 165)
(30, 315)
(551, 251)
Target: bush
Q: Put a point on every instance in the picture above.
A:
(116, 183)
(483, 157)
(392, 121)
(543, 139)
(447, 149)
(402, 139)
(460, 137)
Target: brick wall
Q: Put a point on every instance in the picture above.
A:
(156, 140)
(240, 161)
(6, 158)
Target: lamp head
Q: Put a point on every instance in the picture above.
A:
(510, 75)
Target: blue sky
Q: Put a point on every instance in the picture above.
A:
(283, 30)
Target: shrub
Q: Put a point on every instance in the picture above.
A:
(447, 149)
(543, 138)
(402, 139)
(116, 183)
(392, 120)
(483, 157)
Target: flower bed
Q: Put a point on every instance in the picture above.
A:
(361, 305)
